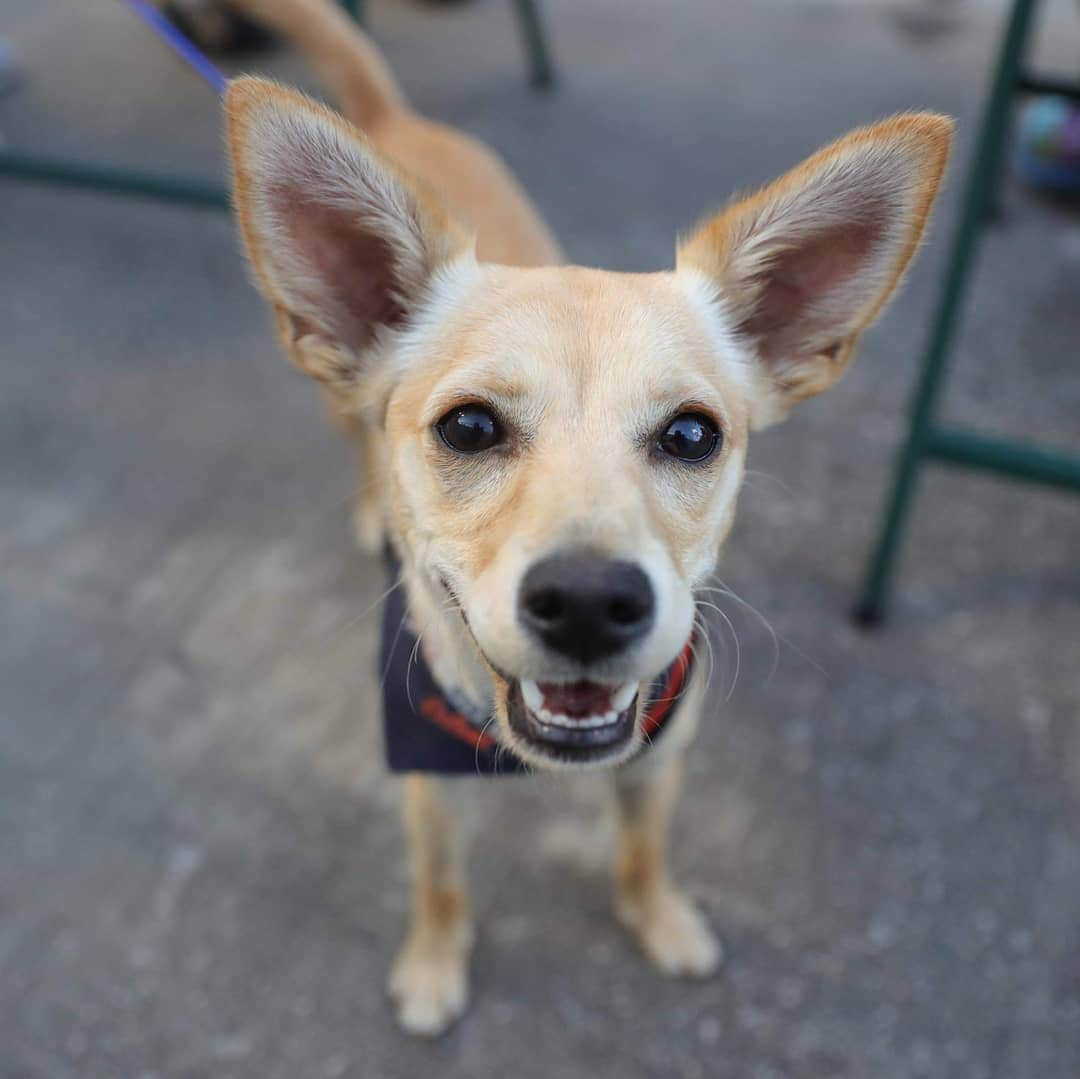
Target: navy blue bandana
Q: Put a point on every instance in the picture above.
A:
(426, 731)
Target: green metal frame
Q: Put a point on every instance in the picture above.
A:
(534, 36)
(23, 164)
(115, 180)
(926, 439)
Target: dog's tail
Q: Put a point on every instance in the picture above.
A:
(343, 56)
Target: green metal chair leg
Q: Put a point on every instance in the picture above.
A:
(534, 36)
(981, 181)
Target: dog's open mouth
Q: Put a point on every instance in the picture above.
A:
(573, 721)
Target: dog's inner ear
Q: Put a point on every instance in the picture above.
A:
(351, 284)
(342, 243)
(803, 266)
(803, 300)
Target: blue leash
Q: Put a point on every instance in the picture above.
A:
(181, 45)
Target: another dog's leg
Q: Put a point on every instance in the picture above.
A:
(668, 925)
(429, 979)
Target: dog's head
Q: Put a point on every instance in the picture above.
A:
(565, 445)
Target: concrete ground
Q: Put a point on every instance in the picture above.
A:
(200, 863)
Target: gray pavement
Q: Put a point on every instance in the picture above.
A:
(200, 862)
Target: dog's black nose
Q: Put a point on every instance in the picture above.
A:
(586, 606)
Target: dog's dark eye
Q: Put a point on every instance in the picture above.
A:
(470, 429)
(690, 437)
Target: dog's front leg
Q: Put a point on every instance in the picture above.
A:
(667, 924)
(429, 978)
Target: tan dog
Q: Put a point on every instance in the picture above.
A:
(556, 451)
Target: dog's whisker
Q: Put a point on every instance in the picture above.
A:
(480, 738)
(702, 631)
(368, 609)
(392, 649)
(333, 634)
(408, 671)
(712, 654)
(778, 638)
(311, 519)
(724, 590)
(735, 638)
(757, 472)
(707, 638)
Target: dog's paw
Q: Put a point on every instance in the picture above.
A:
(673, 933)
(429, 982)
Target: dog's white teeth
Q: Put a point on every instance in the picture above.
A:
(589, 723)
(600, 721)
(622, 697)
(534, 699)
(552, 720)
(579, 723)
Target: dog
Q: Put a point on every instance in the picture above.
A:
(552, 452)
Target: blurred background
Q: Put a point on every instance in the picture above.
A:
(201, 866)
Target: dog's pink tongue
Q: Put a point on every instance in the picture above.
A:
(576, 698)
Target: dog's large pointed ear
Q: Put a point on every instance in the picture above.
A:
(804, 265)
(342, 243)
